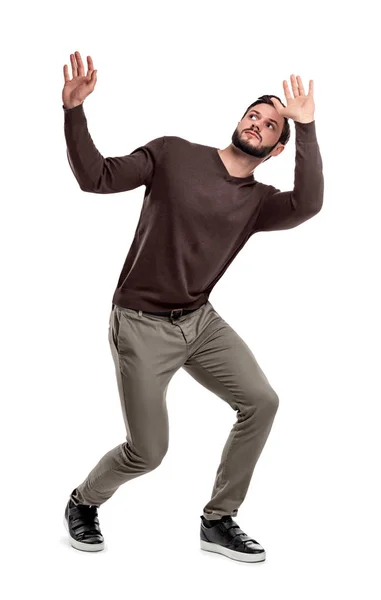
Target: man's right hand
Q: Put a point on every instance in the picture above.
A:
(80, 86)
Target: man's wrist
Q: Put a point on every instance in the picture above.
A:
(309, 121)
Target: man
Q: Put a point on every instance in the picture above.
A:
(201, 205)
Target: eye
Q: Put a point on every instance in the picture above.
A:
(253, 115)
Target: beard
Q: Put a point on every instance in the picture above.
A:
(246, 145)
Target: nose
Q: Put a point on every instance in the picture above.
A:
(257, 126)
(256, 129)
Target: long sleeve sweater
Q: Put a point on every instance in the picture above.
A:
(195, 216)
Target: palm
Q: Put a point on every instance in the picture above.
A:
(301, 107)
(76, 89)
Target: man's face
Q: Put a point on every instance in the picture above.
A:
(264, 120)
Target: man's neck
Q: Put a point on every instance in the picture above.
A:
(238, 166)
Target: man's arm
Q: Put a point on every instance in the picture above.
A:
(284, 210)
(100, 175)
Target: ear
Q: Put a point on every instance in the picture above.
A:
(277, 150)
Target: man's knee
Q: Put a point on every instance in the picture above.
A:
(153, 459)
(272, 400)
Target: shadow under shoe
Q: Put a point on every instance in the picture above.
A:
(82, 523)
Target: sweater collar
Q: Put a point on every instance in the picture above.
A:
(219, 162)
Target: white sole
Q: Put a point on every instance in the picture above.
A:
(209, 547)
(82, 545)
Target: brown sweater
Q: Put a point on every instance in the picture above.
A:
(195, 216)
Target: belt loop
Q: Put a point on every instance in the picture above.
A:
(175, 310)
(140, 313)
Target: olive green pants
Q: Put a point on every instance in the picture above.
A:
(147, 351)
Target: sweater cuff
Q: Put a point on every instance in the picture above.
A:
(75, 114)
(305, 132)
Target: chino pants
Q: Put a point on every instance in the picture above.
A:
(147, 351)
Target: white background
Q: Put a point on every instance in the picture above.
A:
(305, 300)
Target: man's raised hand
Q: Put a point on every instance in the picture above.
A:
(80, 86)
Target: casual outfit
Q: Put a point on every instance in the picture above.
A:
(195, 219)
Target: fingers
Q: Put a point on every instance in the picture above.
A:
(90, 65)
(74, 69)
(77, 67)
(93, 79)
(81, 70)
(66, 73)
(297, 87)
(286, 90)
(294, 86)
(301, 88)
(300, 83)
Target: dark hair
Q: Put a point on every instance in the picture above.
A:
(266, 99)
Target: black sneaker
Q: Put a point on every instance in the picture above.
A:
(82, 523)
(225, 537)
